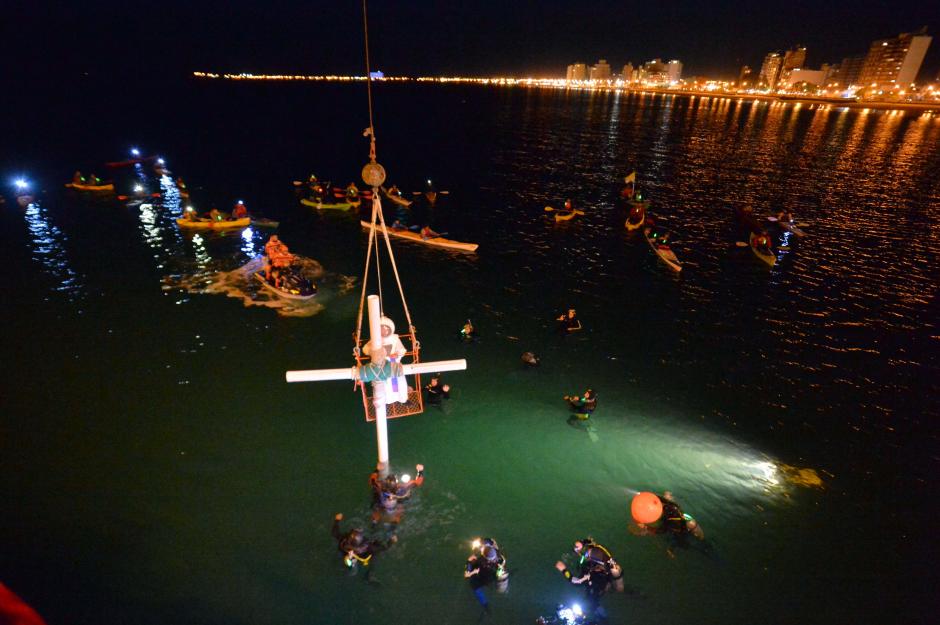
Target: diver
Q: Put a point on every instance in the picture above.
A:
(565, 615)
(530, 359)
(485, 565)
(596, 580)
(582, 407)
(239, 211)
(436, 391)
(355, 547)
(568, 322)
(468, 332)
(592, 553)
(388, 493)
(675, 524)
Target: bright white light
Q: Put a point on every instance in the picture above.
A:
(21, 184)
(240, 202)
(135, 151)
(476, 543)
(768, 472)
(405, 478)
(576, 609)
(138, 188)
(247, 234)
(160, 161)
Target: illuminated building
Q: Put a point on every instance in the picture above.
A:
(628, 72)
(600, 70)
(744, 76)
(674, 71)
(794, 58)
(800, 75)
(770, 70)
(654, 72)
(846, 73)
(894, 62)
(577, 71)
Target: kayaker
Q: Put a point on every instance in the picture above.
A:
(583, 406)
(93, 179)
(352, 191)
(486, 565)
(215, 214)
(784, 216)
(436, 391)
(355, 547)
(569, 322)
(190, 214)
(276, 254)
(77, 178)
(396, 388)
(427, 233)
(239, 211)
(568, 205)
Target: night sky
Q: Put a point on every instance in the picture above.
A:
(446, 37)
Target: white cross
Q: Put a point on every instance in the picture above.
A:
(378, 386)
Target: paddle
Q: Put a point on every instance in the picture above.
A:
(438, 192)
(741, 243)
(549, 209)
(802, 224)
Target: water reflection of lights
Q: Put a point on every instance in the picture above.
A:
(202, 254)
(248, 241)
(49, 247)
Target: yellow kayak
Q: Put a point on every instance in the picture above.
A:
(208, 224)
(90, 187)
(568, 216)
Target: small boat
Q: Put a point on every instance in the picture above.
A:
(568, 216)
(434, 241)
(209, 224)
(395, 198)
(789, 226)
(326, 205)
(294, 285)
(262, 222)
(760, 245)
(90, 187)
(637, 216)
(132, 161)
(662, 249)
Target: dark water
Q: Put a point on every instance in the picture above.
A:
(157, 469)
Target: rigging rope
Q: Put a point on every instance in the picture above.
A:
(377, 215)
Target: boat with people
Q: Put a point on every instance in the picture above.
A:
(393, 194)
(437, 241)
(80, 186)
(318, 204)
(760, 245)
(637, 216)
(658, 241)
(204, 223)
(291, 284)
(787, 224)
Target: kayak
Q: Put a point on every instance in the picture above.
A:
(662, 250)
(208, 224)
(396, 199)
(326, 205)
(132, 161)
(295, 286)
(90, 187)
(262, 222)
(762, 253)
(637, 217)
(568, 216)
(435, 241)
(789, 226)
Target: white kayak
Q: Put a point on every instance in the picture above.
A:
(662, 250)
(435, 241)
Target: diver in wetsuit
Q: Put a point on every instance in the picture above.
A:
(583, 407)
(388, 494)
(355, 547)
(485, 565)
(436, 391)
(592, 553)
(596, 580)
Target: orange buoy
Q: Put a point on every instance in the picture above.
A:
(646, 508)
